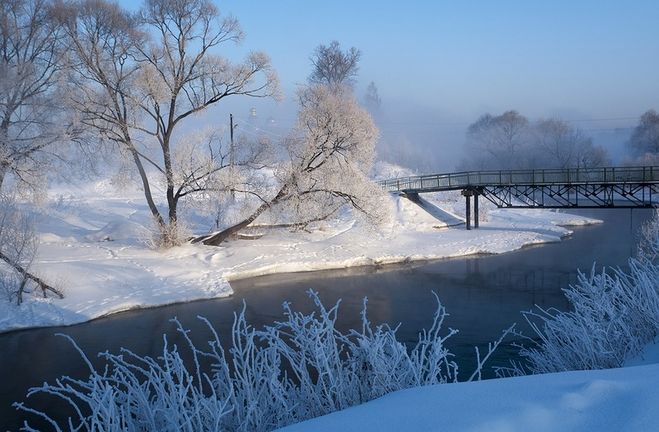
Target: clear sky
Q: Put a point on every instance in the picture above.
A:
(454, 60)
(600, 58)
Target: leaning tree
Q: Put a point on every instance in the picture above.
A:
(330, 153)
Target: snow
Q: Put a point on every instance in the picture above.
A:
(649, 355)
(93, 248)
(602, 400)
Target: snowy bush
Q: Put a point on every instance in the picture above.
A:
(290, 371)
(648, 247)
(614, 315)
(18, 246)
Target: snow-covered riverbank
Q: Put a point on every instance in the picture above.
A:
(92, 248)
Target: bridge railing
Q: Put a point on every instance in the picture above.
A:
(461, 180)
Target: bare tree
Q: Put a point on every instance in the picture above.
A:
(103, 40)
(30, 115)
(499, 141)
(333, 67)
(32, 122)
(330, 153)
(644, 141)
(139, 90)
(560, 145)
(372, 98)
(510, 141)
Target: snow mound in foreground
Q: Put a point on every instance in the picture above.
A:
(601, 400)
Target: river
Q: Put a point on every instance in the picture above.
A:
(482, 294)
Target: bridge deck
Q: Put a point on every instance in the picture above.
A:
(540, 177)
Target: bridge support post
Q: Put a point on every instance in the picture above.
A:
(468, 193)
(475, 209)
(468, 211)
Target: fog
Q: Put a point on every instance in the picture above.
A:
(439, 66)
(421, 137)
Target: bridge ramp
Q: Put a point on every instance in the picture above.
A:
(427, 213)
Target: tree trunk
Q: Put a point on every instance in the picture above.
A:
(4, 167)
(218, 238)
(147, 188)
(171, 235)
(27, 275)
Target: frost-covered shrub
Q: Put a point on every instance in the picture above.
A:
(648, 247)
(290, 371)
(614, 315)
(18, 246)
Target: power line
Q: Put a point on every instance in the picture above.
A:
(257, 130)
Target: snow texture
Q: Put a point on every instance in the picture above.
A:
(92, 247)
(624, 399)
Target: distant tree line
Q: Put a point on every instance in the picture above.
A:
(644, 142)
(512, 141)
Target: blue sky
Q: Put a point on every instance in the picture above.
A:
(452, 61)
(598, 58)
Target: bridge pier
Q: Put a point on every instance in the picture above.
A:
(468, 193)
(468, 211)
(475, 209)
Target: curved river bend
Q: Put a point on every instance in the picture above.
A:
(482, 294)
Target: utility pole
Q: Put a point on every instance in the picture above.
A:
(231, 148)
(232, 152)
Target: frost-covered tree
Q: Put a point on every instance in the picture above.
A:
(143, 77)
(330, 153)
(183, 77)
(644, 141)
(30, 109)
(32, 125)
(334, 67)
(18, 245)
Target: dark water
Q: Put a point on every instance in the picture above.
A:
(483, 295)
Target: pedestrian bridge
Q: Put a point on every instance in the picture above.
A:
(611, 187)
